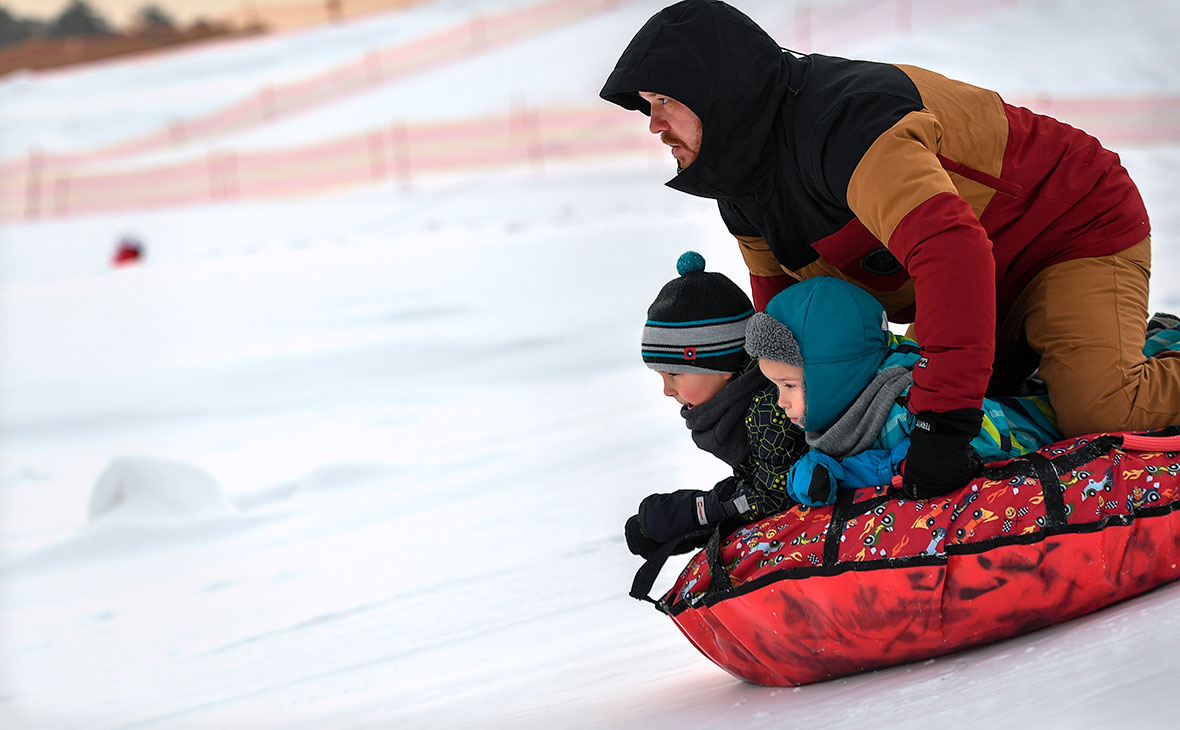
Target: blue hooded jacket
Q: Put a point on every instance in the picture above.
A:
(843, 337)
(844, 342)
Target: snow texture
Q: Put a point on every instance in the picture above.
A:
(363, 460)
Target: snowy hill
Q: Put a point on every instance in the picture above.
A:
(362, 459)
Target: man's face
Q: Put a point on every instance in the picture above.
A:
(677, 125)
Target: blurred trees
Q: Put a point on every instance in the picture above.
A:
(14, 29)
(79, 34)
(153, 16)
(78, 20)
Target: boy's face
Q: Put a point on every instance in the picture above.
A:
(789, 379)
(693, 389)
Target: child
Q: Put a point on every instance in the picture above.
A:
(843, 378)
(694, 338)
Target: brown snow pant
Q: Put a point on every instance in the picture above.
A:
(1087, 319)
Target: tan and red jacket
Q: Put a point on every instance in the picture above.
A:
(934, 195)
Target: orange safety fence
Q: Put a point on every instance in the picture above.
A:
(400, 152)
(404, 153)
(473, 36)
(478, 34)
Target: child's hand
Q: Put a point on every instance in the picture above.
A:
(668, 517)
(812, 479)
(638, 543)
(687, 515)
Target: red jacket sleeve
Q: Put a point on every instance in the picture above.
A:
(946, 250)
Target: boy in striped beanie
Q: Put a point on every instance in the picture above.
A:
(695, 339)
(695, 334)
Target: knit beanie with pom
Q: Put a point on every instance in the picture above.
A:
(697, 324)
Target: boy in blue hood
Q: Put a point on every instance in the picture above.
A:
(844, 378)
(694, 338)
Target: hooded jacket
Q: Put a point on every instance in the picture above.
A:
(857, 377)
(851, 358)
(933, 195)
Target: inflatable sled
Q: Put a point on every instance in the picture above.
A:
(877, 580)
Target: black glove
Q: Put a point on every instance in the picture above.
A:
(941, 458)
(665, 518)
(638, 543)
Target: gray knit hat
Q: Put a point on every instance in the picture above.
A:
(697, 324)
(769, 338)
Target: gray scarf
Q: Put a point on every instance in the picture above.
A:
(719, 424)
(861, 424)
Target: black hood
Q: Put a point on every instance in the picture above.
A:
(729, 72)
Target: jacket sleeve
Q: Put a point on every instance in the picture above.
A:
(900, 191)
(873, 467)
(775, 445)
(814, 477)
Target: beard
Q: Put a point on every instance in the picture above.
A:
(670, 140)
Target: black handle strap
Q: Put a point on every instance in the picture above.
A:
(718, 575)
(841, 512)
(647, 574)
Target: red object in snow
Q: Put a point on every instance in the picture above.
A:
(876, 580)
(129, 251)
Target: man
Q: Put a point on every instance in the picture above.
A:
(1007, 237)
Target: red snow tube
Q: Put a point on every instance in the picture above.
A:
(877, 580)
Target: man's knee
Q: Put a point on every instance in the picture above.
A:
(1146, 397)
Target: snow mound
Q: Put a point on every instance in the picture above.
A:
(156, 491)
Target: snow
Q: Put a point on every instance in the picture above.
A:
(363, 460)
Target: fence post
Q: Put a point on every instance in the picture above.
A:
(536, 139)
(522, 136)
(61, 195)
(222, 176)
(211, 172)
(33, 183)
(376, 149)
(233, 191)
(399, 141)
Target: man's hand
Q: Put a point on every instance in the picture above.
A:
(941, 458)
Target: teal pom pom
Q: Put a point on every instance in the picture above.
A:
(690, 261)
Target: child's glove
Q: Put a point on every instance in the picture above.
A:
(638, 543)
(812, 479)
(941, 458)
(665, 518)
